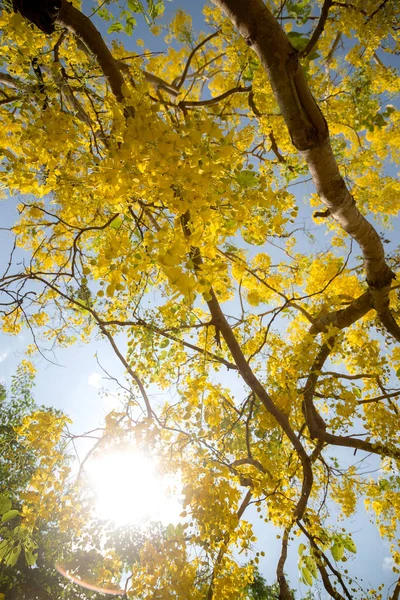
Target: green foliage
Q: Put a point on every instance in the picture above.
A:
(260, 590)
(28, 558)
(299, 10)
(16, 464)
(121, 14)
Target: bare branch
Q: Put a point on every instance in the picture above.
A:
(396, 591)
(161, 84)
(317, 426)
(9, 100)
(181, 80)
(10, 81)
(371, 16)
(193, 103)
(319, 28)
(284, 589)
(389, 323)
(159, 331)
(332, 50)
(132, 373)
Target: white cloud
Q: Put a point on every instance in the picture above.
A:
(388, 563)
(94, 380)
(3, 356)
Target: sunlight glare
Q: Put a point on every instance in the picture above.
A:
(128, 489)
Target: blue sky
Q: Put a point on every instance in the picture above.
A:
(75, 383)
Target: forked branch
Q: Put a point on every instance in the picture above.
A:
(309, 132)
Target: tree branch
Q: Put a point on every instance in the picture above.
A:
(84, 29)
(332, 50)
(319, 28)
(10, 81)
(284, 589)
(212, 101)
(317, 426)
(136, 379)
(221, 325)
(396, 591)
(181, 80)
(308, 130)
(324, 575)
(389, 323)
(150, 327)
(371, 16)
(223, 549)
(132, 373)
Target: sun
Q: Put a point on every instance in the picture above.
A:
(128, 489)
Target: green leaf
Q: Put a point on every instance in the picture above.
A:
(30, 544)
(247, 178)
(299, 10)
(398, 372)
(164, 343)
(30, 557)
(130, 24)
(314, 54)
(116, 223)
(156, 9)
(135, 6)
(337, 551)
(13, 556)
(248, 74)
(379, 120)
(301, 549)
(306, 576)
(298, 40)
(349, 544)
(389, 110)
(5, 504)
(104, 14)
(10, 514)
(311, 565)
(4, 548)
(115, 28)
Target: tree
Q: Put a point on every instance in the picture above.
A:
(38, 554)
(19, 462)
(156, 200)
(260, 590)
(16, 466)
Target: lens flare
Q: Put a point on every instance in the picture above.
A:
(128, 489)
(88, 586)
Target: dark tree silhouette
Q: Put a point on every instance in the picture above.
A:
(43, 13)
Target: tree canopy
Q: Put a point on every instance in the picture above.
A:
(160, 200)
